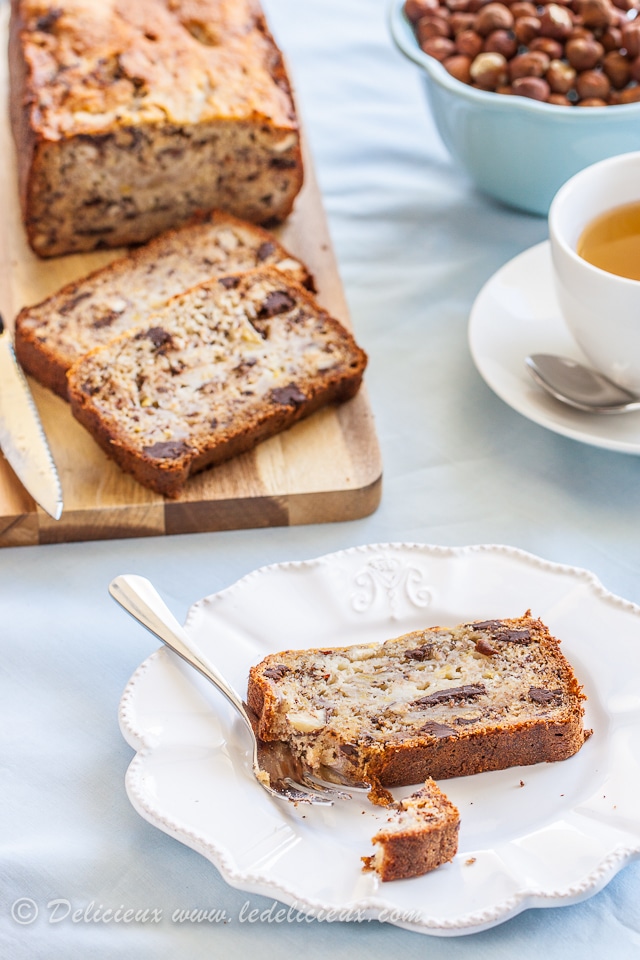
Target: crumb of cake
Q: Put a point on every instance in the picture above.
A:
(420, 834)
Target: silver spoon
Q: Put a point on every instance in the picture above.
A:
(579, 386)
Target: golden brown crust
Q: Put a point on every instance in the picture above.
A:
(91, 66)
(53, 334)
(103, 93)
(521, 744)
(219, 369)
(463, 725)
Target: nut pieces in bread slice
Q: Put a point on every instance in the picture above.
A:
(221, 367)
(435, 703)
(52, 335)
(440, 702)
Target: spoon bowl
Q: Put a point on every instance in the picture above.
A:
(578, 386)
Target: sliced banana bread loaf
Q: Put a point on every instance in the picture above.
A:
(218, 369)
(441, 702)
(421, 833)
(129, 117)
(50, 336)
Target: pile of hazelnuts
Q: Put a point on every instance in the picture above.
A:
(582, 53)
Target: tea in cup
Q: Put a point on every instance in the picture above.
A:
(612, 241)
(594, 232)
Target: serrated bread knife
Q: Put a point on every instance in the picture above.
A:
(22, 438)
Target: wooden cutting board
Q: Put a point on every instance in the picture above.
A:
(326, 468)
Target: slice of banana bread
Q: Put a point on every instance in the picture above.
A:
(129, 117)
(219, 368)
(421, 833)
(50, 336)
(441, 702)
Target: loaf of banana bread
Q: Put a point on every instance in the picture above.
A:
(441, 702)
(219, 368)
(129, 117)
(51, 335)
(420, 834)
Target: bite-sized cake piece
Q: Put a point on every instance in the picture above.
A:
(219, 368)
(50, 336)
(129, 117)
(421, 833)
(441, 702)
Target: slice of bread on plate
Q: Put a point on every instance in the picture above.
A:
(441, 702)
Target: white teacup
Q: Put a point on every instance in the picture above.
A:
(602, 310)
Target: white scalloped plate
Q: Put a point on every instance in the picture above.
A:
(537, 836)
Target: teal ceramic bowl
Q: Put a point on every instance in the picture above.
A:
(516, 150)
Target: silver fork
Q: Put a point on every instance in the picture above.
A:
(275, 767)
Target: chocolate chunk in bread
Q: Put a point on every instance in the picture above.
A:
(50, 336)
(129, 118)
(454, 712)
(469, 691)
(200, 384)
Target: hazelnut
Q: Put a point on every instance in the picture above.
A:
(475, 5)
(526, 28)
(438, 47)
(611, 39)
(634, 69)
(617, 68)
(459, 67)
(533, 87)
(630, 95)
(489, 70)
(458, 6)
(556, 22)
(596, 14)
(559, 99)
(584, 54)
(592, 102)
(432, 27)
(415, 9)
(502, 41)
(631, 39)
(580, 31)
(560, 76)
(469, 43)
(592, 84)
(460, 21)
(523, 8)
(553, 48)
(532, 64)
(494, 16)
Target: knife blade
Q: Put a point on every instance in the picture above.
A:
(22, 438)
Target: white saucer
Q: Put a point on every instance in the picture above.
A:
(516, 313)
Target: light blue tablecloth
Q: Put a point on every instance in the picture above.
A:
(415, 244)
